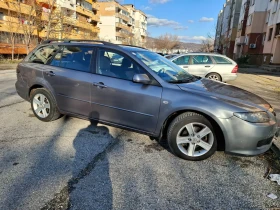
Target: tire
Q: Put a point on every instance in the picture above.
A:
(43, 99)
(214, 76)
(188, 147)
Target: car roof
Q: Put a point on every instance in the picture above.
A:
(201, 53)
(94, 43)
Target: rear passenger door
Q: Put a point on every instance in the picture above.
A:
(69, 74)
(200, 65)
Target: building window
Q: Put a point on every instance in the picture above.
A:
(1, 16)
(275, 6)
(270, 34)
(249, 20)
(277, 31)
(267, 16)
(264, 37)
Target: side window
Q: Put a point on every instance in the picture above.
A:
(43, 54)
(221, 60)
(183, 60)
(201, 59)
(117, 65)
(74, 57)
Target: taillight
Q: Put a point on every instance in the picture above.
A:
(235, 69)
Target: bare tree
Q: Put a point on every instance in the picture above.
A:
(207, 45)
(167, 42)
(29, 20)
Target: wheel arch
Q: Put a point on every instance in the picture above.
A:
(217, 127)
(39, 84)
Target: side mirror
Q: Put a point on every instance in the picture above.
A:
(141, 78)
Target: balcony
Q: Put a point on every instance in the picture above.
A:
(17, 7)
(95, 6)
(45, 2)
(95, 29)
(11, 24)
(121, 16)
(84, 11)
(122, 25)
(120, 34)
(95, 18)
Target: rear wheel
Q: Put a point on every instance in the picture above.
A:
(43, 105)
(191, 137)
(214, 76)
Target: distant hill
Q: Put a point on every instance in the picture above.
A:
(192, 47)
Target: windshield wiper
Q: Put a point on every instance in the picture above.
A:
(186, 80)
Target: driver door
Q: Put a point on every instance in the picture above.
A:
(115, 98)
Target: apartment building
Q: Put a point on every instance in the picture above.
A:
(218, 39)
(250, 27)
(24, 23)
(271, 32)
(227, 24)
(138, 21)
(122, 24)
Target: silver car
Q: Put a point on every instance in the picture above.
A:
(211, 66)
(136, 89)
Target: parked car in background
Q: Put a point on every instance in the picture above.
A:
(139, 90)
(170, 56)
(211, 66)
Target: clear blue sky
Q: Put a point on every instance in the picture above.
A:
(192, 20)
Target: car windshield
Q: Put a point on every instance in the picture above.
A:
(164, 68)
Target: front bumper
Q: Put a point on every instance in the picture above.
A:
(248, 139)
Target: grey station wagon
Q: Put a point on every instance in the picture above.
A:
(136, 89)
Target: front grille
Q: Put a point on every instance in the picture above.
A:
(264, 142)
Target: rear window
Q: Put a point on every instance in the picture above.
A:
(43, 54)
(221, 60)
(74, 57)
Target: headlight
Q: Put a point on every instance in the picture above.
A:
(254, 117)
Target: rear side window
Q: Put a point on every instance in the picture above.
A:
(183, 60)
(43, 54)
(74, 57)
(221, 60)
(201, 59)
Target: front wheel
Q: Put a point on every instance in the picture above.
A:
(191, 137)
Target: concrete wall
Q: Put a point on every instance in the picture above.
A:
(108, 28)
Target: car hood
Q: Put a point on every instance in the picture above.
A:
(228, 93)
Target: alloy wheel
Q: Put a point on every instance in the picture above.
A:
(195, 139)
(41, 105)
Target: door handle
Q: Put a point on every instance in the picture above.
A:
(50, 73)
(207, 66)
(99, 85)
(185, 66)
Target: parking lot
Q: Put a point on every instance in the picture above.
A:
(76, 164)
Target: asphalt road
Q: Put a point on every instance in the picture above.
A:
(73, 163)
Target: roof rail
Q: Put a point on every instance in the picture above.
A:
(132, 46)
(76, 40)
